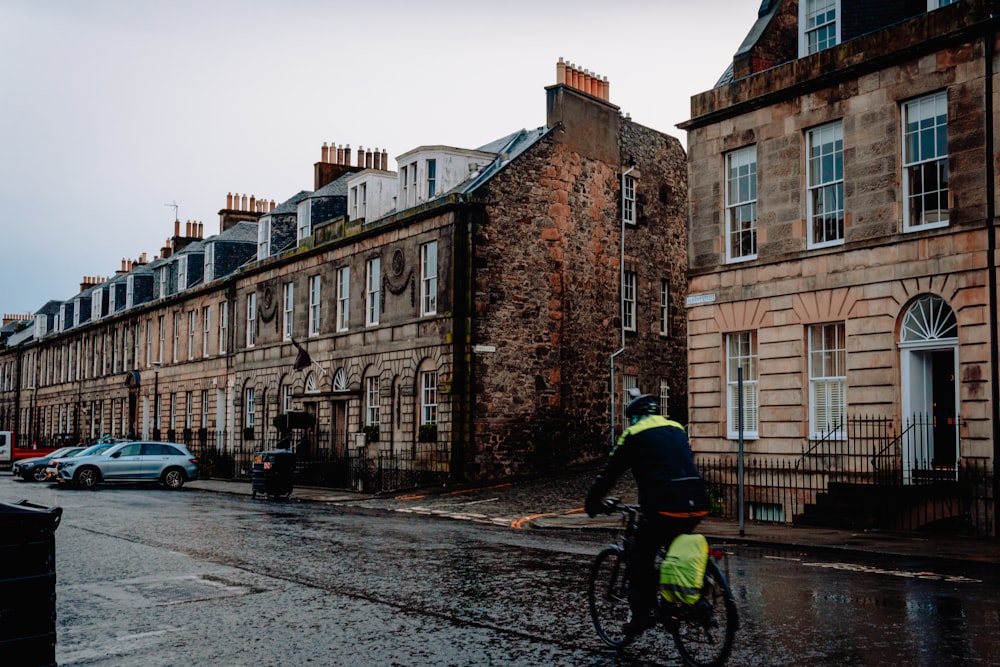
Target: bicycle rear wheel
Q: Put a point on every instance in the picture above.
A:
(607, 594)
(704, 632)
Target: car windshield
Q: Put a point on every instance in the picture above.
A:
(99, 448)
(62, 451)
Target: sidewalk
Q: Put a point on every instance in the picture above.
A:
(557, 504)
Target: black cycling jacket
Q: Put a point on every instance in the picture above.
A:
(657, 451)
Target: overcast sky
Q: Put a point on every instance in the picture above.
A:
(112, 109)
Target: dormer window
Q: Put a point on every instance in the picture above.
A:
(413, 183)
(818, 25)
(264, 238)
(164, 278)
(431, 178)
(934, 4)
(95, 304)
(182, 273)
(39, 326)
(304, 219)
(209, 264)
(359, 202)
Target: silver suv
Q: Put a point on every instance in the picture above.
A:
(168, 463)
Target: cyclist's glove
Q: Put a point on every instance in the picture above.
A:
(594, 504)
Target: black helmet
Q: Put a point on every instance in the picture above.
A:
(642, 405)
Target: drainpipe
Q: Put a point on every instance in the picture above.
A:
(621, 301)
(991, 262)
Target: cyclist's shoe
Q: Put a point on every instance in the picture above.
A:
(638, 625)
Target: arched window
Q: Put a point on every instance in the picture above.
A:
(928, 318)
(311, 385)
(340, 380)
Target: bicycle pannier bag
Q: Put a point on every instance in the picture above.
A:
(683, 569)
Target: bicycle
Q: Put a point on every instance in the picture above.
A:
(703, 632)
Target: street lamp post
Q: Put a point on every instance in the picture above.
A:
(156, 400)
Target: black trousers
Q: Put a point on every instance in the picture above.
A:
(655, 530)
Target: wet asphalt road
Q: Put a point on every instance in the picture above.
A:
(150, 577)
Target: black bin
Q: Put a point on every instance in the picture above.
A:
(28, 582)
(272, 473)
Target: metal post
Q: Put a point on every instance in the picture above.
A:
(739, 456)
(156, 400)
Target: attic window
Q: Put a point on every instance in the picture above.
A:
(818, 25)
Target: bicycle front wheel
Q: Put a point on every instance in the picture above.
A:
(607, 594)
(704, 631)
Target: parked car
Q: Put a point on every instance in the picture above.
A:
(33, 469)
(52, 469)
(168, 463)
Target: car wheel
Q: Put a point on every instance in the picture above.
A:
(173, 478)
(87, 478)
(38, 474)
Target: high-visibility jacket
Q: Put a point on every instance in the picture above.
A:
(657, 451)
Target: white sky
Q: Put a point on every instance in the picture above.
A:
(112, 109)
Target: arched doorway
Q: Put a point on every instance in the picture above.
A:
(928, 355)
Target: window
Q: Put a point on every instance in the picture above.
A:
(664, 397)
(343, 297)
(314, 305)
(96, 304)
(428, 278)
(403, 179)
(628, 200)
(264, 238)
(286, 399)
(223, 326)
(288, 309)
(934, 4)
(175, 354)
(741, 204)
(664, 307)
(925, 162)
(188, 409)
(251, 319)
(204, 409)
(304, 218)
(206, 323)
(741, 354)
(149, 342)
(162, 319)
(192, 327)
(428, 397)
(431, 178)
(249, 416)
(129, 291)
(359, 201)
(371, 401)
(827, 379)
(209, 262)
(413, 183)
(825, 178)
(372, 291)
(182, 273)
(628, 382)
(819, 27)
(628, 300)
(173, 411)
(163, 274)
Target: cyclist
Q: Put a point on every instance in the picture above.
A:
(671, 495)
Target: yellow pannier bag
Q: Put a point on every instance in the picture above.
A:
(683, 569)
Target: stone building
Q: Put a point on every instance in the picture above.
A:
(463, 314)
(842, 251)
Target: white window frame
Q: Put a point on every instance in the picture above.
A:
(428, 278)
(264, 238)
(431, 166)
(628, 199)
(413, 184)
(373, 294)
(664, 397)
(163, 337)
(827, 379)
(182, 273)
(223, 325)
(251, 302)
(129, 291)
(303, 220)
(921, 157)
(630, 282)
(288, 309)
(815, 19)
(249, 408)
(628, 382)
(741, 352)
(314, 305)
(206, 323)
(175, 348)
(286, 398)
(372, 401)
(192, 322)
(428, 397)
(343, 298)
(741, 204)
(825, 185)
(209, 262)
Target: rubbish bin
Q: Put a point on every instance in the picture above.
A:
(28, 582)
(272, 473)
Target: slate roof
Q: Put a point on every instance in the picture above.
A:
(764, 16)
(506, 149)
(242, 232)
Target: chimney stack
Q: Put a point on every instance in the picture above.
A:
(583, 80)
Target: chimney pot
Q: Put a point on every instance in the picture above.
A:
(325, 153)
(243, 203)
(177, 227)
(560, 71)
(229, 201)
(253, 202)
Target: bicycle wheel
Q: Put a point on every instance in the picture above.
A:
(704, 632)
(607, 594)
